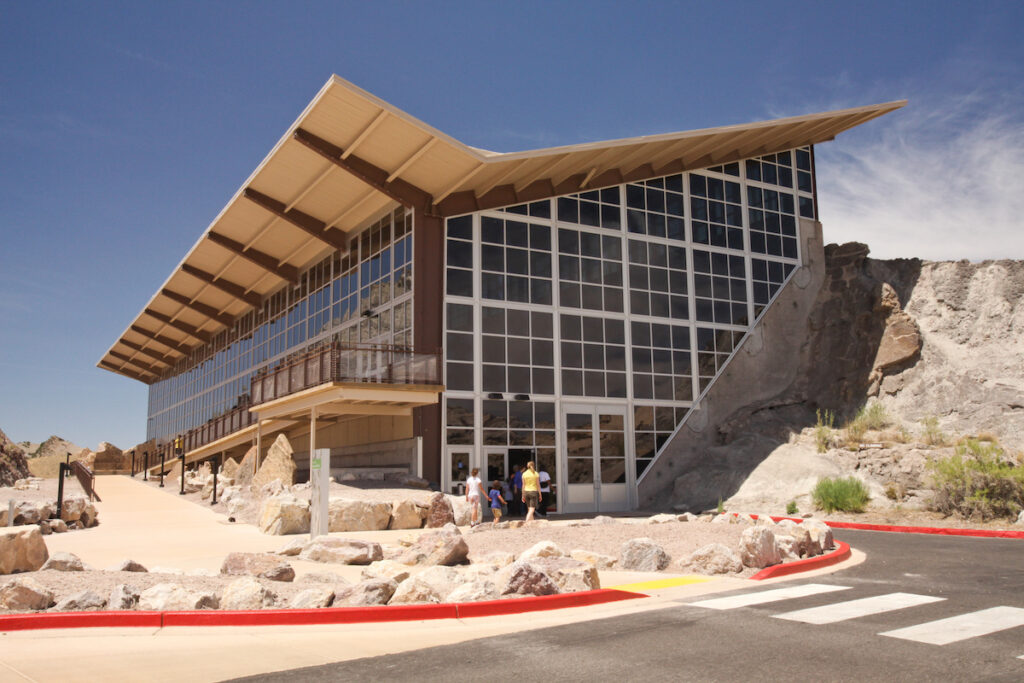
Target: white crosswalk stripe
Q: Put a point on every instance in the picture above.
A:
(851, 609)
(962, 627)
(761, 597)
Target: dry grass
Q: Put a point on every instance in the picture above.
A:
(47, 466)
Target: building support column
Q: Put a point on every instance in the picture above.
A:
(319, 482)
(428, 314)
(259, 443)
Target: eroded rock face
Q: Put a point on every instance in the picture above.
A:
(440, 512)
(246, 593)
(758, 549)
(263, 565)
(25, 594)
(643, 555)
(357, 515)
(714, 558)
(278, 464)
(22, 549)
(342, 551)
(13, 465)
(284, 514)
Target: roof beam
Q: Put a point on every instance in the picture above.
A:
(134, 361)
(127, 372)
(303, 221)
(286, 272)
(397, 189)
(155, 355)
(180, 347)
(226, 286)
(177, 324)
(198, 307)
(412, 159)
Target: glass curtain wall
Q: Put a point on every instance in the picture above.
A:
(633, 295)
(361, 297)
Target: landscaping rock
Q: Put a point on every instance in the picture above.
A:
(72, 508)
(292, 547)
(369, 592)
(64, 562)
(386, 569)
(90, 517)
(541, 549)
(820, 535)
(525, 578)
(246, 593)
(263, 565)
(713, 558)
(312, 598)
(764, 519)
(44, 527)
(357, 515)
(596, 560)
(57, 526)
(686, 517)
(445, 546)
(758, 549)
(643, 555)
(406, 514)
(82, 601)
(342, 551)
(279, 464)
(284, 514)
(229, 468)
(415, 591)
(122, 597)
(322, 577)
(462, 510)
(32, 512)
(24, 594)
(247, 468)
(172, 597)
(474, 591)
(439, 512)
(662, 519)
(570, 575)
(498, 558)
(443, 579)
(789, 548)
(21, 549)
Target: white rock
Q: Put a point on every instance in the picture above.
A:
(406, 514)
(172, 597)
(342, 551)
(499, 558)
(246, 593)
(82, 601)
(662, 519)
(21, 549)
(64, 562)
(415, 591)
(570, 575)
(764, 519)
(713, 558)
(462, 509)
(642, 554)
(284, 514)
(292, 547)
(369, 592)
(442, 579)
(789, 548)
(757, 547)
(387, 569)
(24, 594)
(596, 560)
(346, 514)
(312, 598)
(743, 518)
(687, 517)
(122, 597)
(474, 591)
(541, 549)
(820, 533)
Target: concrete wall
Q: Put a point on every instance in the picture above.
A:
(698, 465)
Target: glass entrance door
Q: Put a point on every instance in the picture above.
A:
(461, 461)
(596, 454)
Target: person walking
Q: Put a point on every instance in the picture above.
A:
(517, 490)
(496, 500)
(531, 490)
(474, 487)
(545, 492)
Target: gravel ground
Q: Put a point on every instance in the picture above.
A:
(47, 491)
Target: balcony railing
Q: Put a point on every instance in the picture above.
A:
(370, 364)
(219, 427)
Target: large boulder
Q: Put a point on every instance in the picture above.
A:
(415, 591)
(568, 574)
(172, 597)
(22, 549)
(406, 514)
(72, 508)
(462, 510)
(279, 464)
(32, 511)
(440, 511)
(109, 458)
(264, 565)
(64, 562)
(525, 578)
(642, 555)
(344, 514)
(122, 597)
(24, 594)
(820, 536)
(229, 468)
(284, 514)
(386, 569)
(82, 601)
(342, 551)
(312, 598)
(757, 547)
(474, 591)
(713, 558)
(369, 592)
(443, 579)
(246, 593)
(445, 546)
(247, 468)
(541, 549)
(90, 517)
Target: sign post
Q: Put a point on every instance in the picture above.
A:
(320, 481)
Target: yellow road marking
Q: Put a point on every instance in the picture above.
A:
(661, 583)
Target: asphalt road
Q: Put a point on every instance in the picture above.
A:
(956, 576)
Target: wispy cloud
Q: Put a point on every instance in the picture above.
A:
(940, 180)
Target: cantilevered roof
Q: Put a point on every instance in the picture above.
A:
(351, 155)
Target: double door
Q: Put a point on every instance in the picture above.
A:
(597, 454)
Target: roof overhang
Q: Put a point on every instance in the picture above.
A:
(350, 156)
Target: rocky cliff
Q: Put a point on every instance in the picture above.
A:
(13, 465)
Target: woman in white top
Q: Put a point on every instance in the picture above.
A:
(474, 487)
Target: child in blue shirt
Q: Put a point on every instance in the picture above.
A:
(496, 500)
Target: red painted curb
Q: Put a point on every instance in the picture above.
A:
(841, 553)
(330, 615)
(940, 531)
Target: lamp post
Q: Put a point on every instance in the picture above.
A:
(145, 472)
(181, 456)
(163, 454)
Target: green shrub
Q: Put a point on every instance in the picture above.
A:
(847, 494)
(977, 481)
(791, 508)
(932, 435)
(823, 430)
(721, 506)
(869, 418)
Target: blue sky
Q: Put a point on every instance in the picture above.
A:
(126, 127)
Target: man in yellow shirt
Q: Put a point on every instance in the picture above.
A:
(531, 490)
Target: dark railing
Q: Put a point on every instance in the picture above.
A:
(371, 364)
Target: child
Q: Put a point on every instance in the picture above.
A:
(496, 500)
